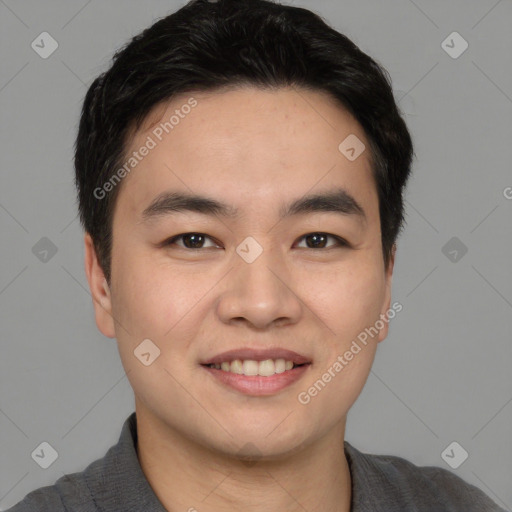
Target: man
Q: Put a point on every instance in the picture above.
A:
(240, 171)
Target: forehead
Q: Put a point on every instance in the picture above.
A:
(246, 146)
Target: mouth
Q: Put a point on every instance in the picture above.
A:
(257, 372)
(251, 367)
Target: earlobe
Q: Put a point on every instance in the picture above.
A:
(100, 291)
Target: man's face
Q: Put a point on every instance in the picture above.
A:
(256, 280)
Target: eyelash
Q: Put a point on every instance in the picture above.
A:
(341, 243)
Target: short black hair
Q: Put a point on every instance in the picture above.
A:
(207, 46)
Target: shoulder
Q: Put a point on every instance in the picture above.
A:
(387, 482)
(69, 492)
(91, 489)
(113, 482)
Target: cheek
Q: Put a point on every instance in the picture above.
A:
(348, 301)
(156, 301)
(135, 296)
(155, 304)
(145, 296)
(332, 391)
(348, 298)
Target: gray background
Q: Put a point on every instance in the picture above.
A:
(442, 375)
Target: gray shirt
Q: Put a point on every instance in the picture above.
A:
(383, 483)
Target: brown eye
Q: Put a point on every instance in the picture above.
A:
(319, 240)
(190, 241)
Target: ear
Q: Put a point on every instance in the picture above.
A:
(386, 304)
(100, 290)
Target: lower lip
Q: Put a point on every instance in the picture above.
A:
(257, 385)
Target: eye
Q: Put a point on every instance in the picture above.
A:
(190, 241)
(197, 241)
(318, 240)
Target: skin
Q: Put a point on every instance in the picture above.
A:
(256, 150)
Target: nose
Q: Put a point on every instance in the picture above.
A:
(260, 294)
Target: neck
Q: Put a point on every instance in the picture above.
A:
(187, 476)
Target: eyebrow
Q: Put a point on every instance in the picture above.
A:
(335, 201)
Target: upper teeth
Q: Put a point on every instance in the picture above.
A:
(250, 367)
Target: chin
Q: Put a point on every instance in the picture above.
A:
(257, 445)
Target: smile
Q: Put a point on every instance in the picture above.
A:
(252, 383)
(265, 368)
